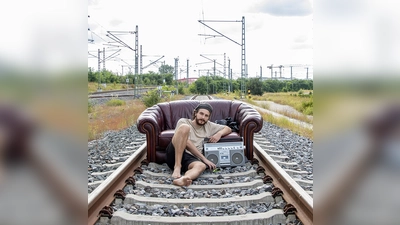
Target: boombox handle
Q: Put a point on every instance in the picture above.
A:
(225, 140)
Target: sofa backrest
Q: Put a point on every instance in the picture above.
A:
(174, 110)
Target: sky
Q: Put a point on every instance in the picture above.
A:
(277, 32)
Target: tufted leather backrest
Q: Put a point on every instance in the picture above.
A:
(171, 112)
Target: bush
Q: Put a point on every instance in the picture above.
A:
(307, 107)
(181, 90)
(90, 107)
(151, 98)
(115, 102)
(308, 111)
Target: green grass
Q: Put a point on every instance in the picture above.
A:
(115, 102)
(92, 87)
(302, 101)
(285, 123)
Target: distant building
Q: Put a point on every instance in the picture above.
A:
(190, 80)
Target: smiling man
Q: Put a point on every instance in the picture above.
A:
(185, 152)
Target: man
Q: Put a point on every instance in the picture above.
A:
(185, 152)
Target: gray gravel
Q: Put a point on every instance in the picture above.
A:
(298, 149)
(107, 153)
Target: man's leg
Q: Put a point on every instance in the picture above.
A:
(179, 140)
(194, 170)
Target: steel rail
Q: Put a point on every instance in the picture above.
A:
(120, 90)
(110, 96)
(292, 192)
(103, 195)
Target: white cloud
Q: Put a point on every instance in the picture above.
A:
(283, 7)
(171, 28)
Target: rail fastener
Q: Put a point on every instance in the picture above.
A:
(130, 181)
(106, 211)
(267, 179)
(120, 194)
(138, 170)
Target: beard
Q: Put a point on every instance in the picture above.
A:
(200, 122)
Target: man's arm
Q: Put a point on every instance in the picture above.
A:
(225, 131)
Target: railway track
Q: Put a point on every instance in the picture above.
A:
(131, 92)
(266, 190)
(266, 195)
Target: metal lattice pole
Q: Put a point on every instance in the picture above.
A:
(243, 66)
(104, 59)
(229, 76)
(141, 60)
(243, 49)
(187, 72)
(176, 74)
(98, 68)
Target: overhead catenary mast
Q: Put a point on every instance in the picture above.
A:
(243, 47)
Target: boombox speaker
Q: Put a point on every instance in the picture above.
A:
(225, 153)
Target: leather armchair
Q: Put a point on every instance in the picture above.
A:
(158, 123)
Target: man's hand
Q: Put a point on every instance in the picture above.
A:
(215, 138)
(210, 164)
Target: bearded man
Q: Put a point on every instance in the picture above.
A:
(185, 152)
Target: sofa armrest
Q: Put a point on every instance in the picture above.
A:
(149, 123)
(250, 122)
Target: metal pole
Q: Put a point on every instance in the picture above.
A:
(187, 72)
(272, 70)
(224, 71)
(291, 72)
(137, 50)
(214, 78)
(231, 80)
(176, 74)
(141, 60)
(229, 75)
(243, 66)
(307, 73)
(104, 59)
(208, 72)
(98, 68)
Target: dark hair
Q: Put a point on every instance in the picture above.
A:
(202, 105)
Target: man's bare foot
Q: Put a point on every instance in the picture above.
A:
(183, 181)
(177, 172)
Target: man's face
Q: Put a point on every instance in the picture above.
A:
(202, 116)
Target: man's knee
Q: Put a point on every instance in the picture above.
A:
(199, 166)
(181, 134)
(182, 129)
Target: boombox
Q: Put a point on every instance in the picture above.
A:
(225, 154)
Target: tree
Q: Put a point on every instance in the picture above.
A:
(255, 86)
(200, 85)
(166, 69)
(91, 75)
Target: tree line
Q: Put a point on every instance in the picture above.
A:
(204, 84)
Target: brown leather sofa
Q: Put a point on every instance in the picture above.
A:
(158, 123)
